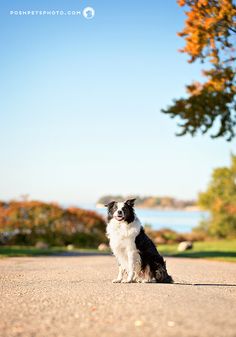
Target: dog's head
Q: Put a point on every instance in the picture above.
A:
(121, 211)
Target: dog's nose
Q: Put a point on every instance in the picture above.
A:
(119, 212)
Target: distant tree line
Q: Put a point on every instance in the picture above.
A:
(150, 201)
(26, 222)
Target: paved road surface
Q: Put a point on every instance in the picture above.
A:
(74, 296)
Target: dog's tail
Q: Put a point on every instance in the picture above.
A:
(162, 275)
(168, 279)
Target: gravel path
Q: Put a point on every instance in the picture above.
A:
(73, 296)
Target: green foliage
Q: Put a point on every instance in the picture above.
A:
(220, 200)
(207, 106)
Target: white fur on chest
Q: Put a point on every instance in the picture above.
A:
(122, 240)
(120, 232)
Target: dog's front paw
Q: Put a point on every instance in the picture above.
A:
(138, 280)
(127, 281)
(116, 280)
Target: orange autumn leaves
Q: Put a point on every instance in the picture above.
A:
(210, 35)
(208, 27)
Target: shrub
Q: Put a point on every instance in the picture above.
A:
(27, 222)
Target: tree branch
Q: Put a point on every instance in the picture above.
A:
(233, 30)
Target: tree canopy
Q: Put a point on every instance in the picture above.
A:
(210, 35)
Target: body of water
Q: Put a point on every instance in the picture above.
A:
(178, 220)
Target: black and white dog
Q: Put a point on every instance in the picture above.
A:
(135, 252)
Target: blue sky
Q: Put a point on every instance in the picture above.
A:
(81, 99)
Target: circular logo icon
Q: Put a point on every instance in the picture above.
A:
(88, 13)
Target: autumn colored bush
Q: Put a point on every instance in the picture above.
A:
(26, 222)
(169, 236)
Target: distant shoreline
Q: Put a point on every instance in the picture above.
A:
(186, 209)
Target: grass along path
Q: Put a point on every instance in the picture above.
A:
(10, 251)
(223, 250)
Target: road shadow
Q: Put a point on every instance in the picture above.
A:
(69, 254)
(205, 284)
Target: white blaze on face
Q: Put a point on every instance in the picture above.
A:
(120, 205)
(119, 213)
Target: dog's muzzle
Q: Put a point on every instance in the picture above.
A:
(119, 217)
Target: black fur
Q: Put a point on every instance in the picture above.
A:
(151, 257)
(111, 208)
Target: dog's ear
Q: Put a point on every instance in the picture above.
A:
(130, 202)
(110, 204)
